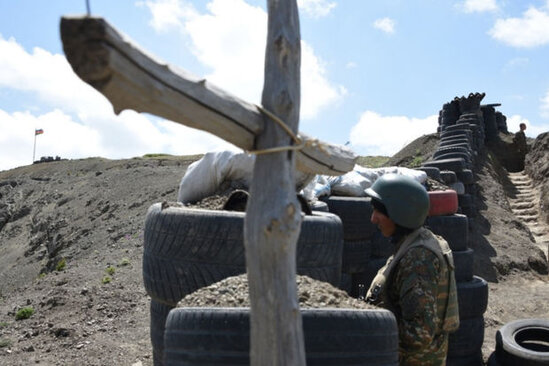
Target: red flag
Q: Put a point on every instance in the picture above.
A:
(38, 132)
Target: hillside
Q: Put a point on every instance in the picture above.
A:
(71, 247)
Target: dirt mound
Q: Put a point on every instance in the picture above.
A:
(415, 153)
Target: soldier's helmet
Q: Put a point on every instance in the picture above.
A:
(405, 199)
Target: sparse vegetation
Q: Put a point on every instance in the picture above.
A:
(124, 262)
(372, 161)
(61, 265)
(106, 279)
(4, 342)
(3, 324)
(110, 270)
(416, 162)
(24, 313)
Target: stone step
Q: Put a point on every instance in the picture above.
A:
(527, 218)
(520, 205)
(526, 212)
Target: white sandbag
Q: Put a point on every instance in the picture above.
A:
(221, 170)
(317, 187)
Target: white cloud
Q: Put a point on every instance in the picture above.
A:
(375, 134)
(77, 120)
(544, 108)
(351, 65)
(235, 51)
(479, 6)
(532, 130)
(386, 25)
(531, 30)
(316, 8)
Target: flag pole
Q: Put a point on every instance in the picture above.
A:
(34, 149)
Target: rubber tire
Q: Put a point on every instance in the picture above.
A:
(448, 177)
(158, 314)
(463, 261)
(466, 176)
(455, 164)
(382, 247)
(355, 213)
(510, 338)
(319, 206)
(452, 149)
(453, 228)
(458, 187)
(433, 173)
(471, 360)
(468, 339)
(472, 297)
(453, 141)
(442, 202)
(220, 336)
(356, 255)
(366, 277)
(186, 249)
(453, 155)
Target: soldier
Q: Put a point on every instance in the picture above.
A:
(519, 141)
(417, 283)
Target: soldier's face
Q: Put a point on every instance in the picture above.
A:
(385, 224)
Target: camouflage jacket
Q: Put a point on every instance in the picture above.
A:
(416, 291)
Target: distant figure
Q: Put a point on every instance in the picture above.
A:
(520, 144)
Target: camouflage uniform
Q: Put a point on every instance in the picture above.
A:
(416, 289)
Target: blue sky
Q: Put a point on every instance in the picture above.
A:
(374, 73)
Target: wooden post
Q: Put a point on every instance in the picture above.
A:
(273, 215)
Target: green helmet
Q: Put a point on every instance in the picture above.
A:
(405, 199)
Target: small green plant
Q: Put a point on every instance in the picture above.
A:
(4, 342)
(61, 265)
(418, 160)
(110, 270)
(24, 313)
(41, 275)
(124, 262)
(3, 324)
(106, 279)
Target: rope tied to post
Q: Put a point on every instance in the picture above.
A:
(299, 142)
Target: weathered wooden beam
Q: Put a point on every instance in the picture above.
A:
(273, 215)
(132, 79)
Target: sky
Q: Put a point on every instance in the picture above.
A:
(374, 74)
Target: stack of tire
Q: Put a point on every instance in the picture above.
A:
(186, 249)
(355, 213)
(465, 345)
(522, 342)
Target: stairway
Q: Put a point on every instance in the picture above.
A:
(525, 206)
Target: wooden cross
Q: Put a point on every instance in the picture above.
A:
(131, 79)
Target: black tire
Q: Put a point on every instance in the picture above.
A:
(448, 177)
(186, 249)
(220, 336)
(382, 247)
(456, 155)
(319, 206)
(523, 342)
(455, 164)
(453, 228)
(459, 126)
(472, 297)
(454, 141)
(471, 360)
(433, 173)
(355, 213)
(463, 260)
(356, 255)
(465, 200)
(158, 314)
(468, 339)
(367, 276)
(462, 133)
(453, 149)
(466, 176)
